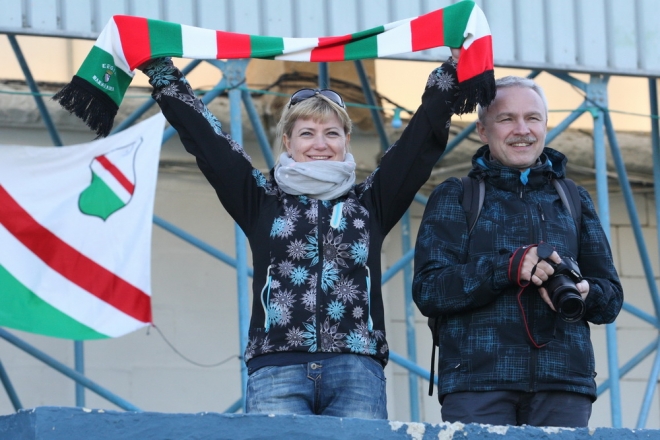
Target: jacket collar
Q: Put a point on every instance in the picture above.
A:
(551, 164)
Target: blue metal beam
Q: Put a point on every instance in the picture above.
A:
(133, 117)
(36, 94)
(409, 308)
(460, 137)
(371, 101)
(266, 149)
(655, 322)
(650, 390)
(67, 371)
(243, 291)
(597, 95)
(563, 125)
(79, 365)
(595, 102)
(11, 392)
(219, 88)
(398, 265)
(632, 363)
(632, 212)
(198, 243)
(422, 199)
(324, 77)
(234, 407)
(655, 145)
(411, 366)
(569, 79)
(234, 71)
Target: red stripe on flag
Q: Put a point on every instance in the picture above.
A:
(70, 263)
(232, 45)
(134, 36)
(116, 173)
(477, 59)
(428, 31)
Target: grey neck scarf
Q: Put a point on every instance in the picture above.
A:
(319, 179)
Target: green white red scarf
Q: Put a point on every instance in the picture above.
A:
(126, 42)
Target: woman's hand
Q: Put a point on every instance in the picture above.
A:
(455, 53)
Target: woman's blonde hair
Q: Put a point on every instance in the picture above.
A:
(318, 108)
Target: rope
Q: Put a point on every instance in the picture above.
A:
(187, 359)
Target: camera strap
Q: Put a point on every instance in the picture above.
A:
(524, 316)
(515, 267)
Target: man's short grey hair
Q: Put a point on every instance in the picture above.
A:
(515, 81)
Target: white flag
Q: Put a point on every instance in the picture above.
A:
(75, 234)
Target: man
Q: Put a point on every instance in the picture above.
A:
(507, 357)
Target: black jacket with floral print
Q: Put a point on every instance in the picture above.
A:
(317, 273)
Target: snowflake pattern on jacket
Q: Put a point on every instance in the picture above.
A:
(316, 286)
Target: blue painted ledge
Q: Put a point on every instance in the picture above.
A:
(58, 423)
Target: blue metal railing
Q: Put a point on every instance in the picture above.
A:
(65, 370)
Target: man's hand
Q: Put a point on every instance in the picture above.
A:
(583, 288)
(537, 271)
(528, 265)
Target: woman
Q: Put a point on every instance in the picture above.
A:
(317, 334)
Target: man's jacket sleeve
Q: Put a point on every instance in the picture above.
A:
(605, 297)
(445, 282)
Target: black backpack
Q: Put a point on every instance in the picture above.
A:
(474, 192)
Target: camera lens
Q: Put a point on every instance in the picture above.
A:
(565, 297)
(571, 307)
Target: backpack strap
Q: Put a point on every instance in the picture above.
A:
(434, 324)
(570, 197)
(472, 205)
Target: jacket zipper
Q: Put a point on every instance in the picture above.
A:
(530, 302)
(319, 302)
(542, 222)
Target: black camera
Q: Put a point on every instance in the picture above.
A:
(561, 286)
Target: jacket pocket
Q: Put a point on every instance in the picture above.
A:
(266, 304)
(370, 322)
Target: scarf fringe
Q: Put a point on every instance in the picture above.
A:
(479, 89)
(94, 107)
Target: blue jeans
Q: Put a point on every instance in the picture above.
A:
(347, 385)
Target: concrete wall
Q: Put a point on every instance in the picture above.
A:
(52, 423)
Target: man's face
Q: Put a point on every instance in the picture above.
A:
(515, 127)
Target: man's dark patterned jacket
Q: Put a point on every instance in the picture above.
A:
(317, 273)
(483, 342)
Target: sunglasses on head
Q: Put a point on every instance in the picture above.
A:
(303, 94)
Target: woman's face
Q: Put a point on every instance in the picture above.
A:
(312, 140)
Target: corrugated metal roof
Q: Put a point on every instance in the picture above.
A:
(599, 36)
